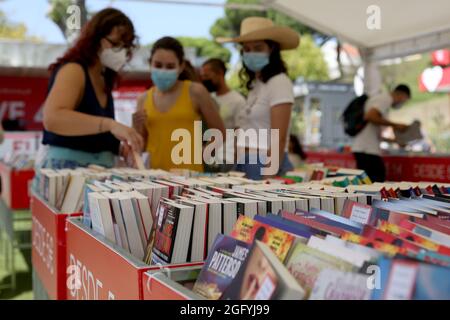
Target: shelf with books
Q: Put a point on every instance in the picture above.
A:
(49, 246)
(98, 269)
(15, 186)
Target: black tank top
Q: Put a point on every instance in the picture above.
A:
(90, 105)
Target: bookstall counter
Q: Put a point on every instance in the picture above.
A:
(98, 269)
(171, 282)
(14, 186)
(49, 246)
(398, 167)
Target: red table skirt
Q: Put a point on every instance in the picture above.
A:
(398, 168)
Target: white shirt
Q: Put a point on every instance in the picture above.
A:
(368, 140)
(229, 106)
(256, 114)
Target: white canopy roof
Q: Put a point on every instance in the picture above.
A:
(407, 26)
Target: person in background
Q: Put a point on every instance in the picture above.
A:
(79, 110)
(173, 103)
(366, 145)
(296, 154)
(271, 97)
(228, 101)
(190, 73)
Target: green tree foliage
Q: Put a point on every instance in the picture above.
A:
(11, 30)
(229, 26)
(206, 48)
(306, 61)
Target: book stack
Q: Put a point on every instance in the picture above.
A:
(398, 248)
(64, 189)
(160, 217)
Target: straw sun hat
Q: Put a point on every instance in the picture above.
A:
(257, 28)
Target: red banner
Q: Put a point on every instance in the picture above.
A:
(21, 98)
(398, 168)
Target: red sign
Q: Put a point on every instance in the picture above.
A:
(15, 187)
(49, 247)
(441, 57)
(21, 98)
(98, 271)
(435, 79)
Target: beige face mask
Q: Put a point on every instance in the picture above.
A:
(113, 59)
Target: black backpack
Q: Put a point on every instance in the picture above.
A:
(353, 116)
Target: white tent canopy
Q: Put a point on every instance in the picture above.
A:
(407, 26)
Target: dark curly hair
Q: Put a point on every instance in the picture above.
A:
(86, 47)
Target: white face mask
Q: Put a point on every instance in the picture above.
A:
(114, 60)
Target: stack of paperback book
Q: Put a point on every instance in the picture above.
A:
(397, 248)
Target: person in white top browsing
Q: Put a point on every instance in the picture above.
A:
(264, 122)
(366, 145)
(229, 102)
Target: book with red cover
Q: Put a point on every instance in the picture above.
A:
(313, 223)
(412, 223)
(376, 234)
(358, 212)
(381, 246)
(439, 221)
(408, 235)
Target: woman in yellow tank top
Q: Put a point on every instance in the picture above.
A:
(172, 104)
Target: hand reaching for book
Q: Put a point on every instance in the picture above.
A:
(127, 135)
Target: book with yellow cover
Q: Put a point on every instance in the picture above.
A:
(246, 229)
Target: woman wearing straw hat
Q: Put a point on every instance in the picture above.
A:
(271, 96)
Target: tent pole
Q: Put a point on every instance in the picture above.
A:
(372, 75)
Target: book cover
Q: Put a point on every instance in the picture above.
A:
(305, 264)
(408, 235)
(403, 279)
(333, 284)
(221, 266)
(166, 230)
(263, 277)
(357, 212)
(248, 230)
(320, 227)
(282, 224)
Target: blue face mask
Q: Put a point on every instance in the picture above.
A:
(164, 79)
(256, 61)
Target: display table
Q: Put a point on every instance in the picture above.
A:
(49, 248)
(398, 167)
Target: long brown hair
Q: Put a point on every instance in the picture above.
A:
(86, 48)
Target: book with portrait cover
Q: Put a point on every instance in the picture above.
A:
(221, 266)
(246, 229)
(263, 277)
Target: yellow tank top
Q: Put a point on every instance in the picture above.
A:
(164, 153)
